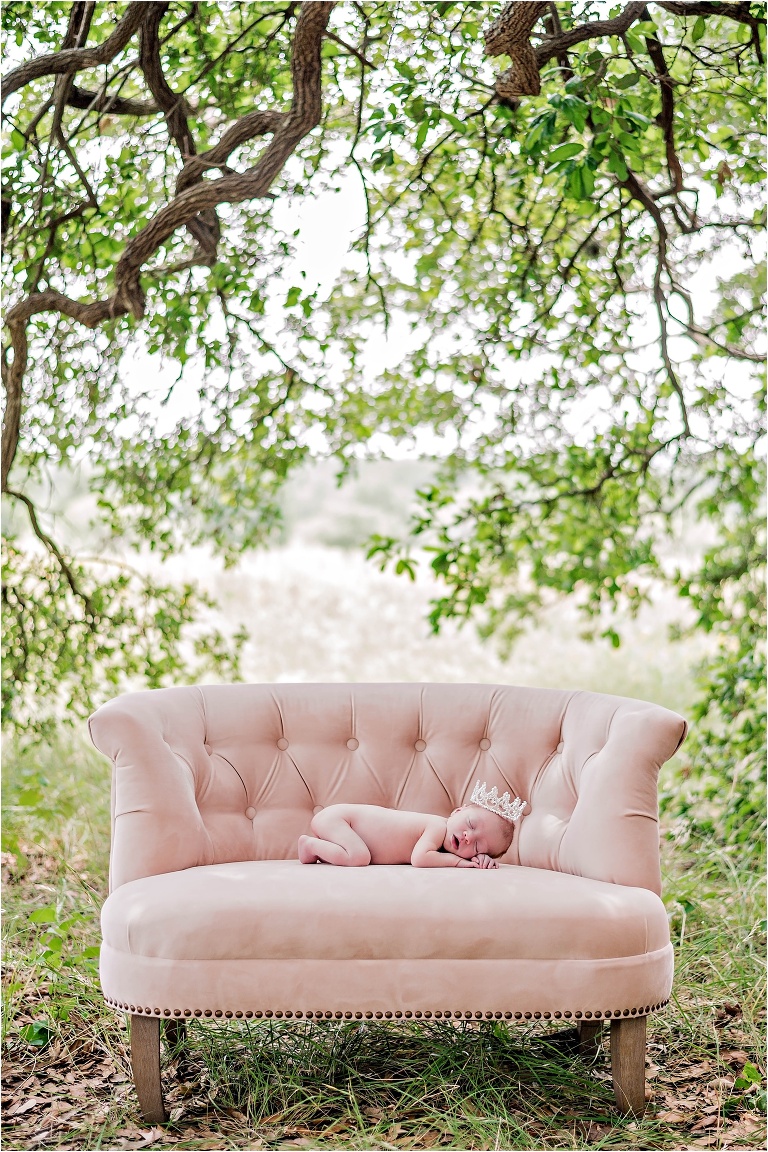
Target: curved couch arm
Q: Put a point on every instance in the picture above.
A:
(595, 803)
(156, 823)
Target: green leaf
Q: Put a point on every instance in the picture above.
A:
(407, 566)
(699, 29)
(564, 152)
(617, 165)
(38, 1034)
(293, 297)
(580, 182)
(575, 183)
(748, 1076)
(627, 81)
(45, 915)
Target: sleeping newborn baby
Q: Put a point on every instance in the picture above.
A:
(354, 835)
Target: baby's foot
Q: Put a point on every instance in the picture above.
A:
(306, 855)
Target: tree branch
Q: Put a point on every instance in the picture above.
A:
(73, 60)
(555, 45)
(115, 105)
(304, 115)
(234, 188)
(354, 51)
(91, 315)
(52, 547)
(739, 12)
(666, 118)
(173, 106)
(248, 127)
(205, 227)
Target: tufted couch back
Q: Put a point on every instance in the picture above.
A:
(208, 775)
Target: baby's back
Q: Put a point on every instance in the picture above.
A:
(389, 834)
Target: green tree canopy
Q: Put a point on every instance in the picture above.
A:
(548, 229)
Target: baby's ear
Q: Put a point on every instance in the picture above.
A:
(455, 811)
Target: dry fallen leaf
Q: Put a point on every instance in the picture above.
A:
(706, 1122)
(26, 1105)
(592, 1132)
(721, 1083)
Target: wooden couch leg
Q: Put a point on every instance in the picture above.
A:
(589, 1038)
(145, 1062)
(628, 1063)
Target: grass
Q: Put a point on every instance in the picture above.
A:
(350, 1085)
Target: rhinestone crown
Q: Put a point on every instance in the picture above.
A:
(503, 806)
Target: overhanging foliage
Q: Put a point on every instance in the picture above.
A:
(547, 225)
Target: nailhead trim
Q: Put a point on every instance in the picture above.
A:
(418, 1014)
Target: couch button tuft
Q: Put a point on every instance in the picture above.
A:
(352, 744)
(250, 813)
(485, 745)
(420, 745)
(282, 743)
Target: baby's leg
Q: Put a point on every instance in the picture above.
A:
(333, 842)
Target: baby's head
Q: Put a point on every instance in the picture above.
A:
(471, 830)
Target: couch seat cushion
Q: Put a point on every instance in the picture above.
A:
(284, 910)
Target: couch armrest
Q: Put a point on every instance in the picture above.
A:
(156, 823)
(595, 803)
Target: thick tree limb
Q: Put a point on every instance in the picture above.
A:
(509, 35)
(554, 45)
(738, 11)
(172, 105)
(13, 377)
(80, 17)
(234, 188)
(498, 38)
(666, 118)
(303, 116)
(73, 60)
(205, 227)
(17, 318)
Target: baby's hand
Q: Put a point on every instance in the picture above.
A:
(483, 861)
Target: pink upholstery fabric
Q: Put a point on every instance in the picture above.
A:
(283, 910)
(211, 912)
(624, 986)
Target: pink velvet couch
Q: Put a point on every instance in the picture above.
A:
(212, 915)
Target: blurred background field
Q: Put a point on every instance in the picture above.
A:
(316, 610)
